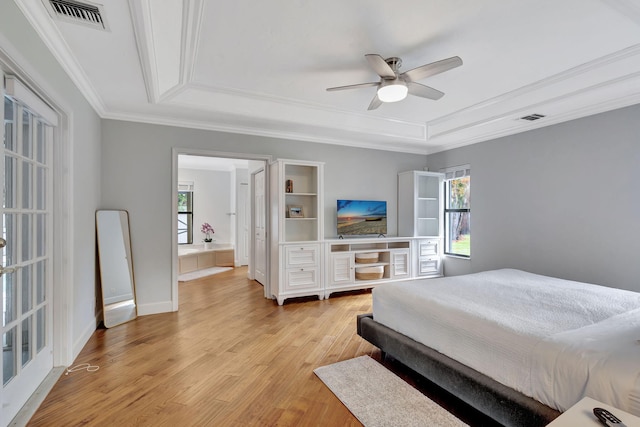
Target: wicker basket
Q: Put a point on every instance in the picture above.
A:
(370, 273)
(367, 257)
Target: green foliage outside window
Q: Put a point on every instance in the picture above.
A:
(458, 216)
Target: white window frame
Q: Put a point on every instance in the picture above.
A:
(451, 173)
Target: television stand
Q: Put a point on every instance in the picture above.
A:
(366, 263)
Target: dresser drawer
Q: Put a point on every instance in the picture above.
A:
(304, 278)
(428, 248)
(428, 266)
(301, 255)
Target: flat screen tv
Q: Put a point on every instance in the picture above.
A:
(362, 217)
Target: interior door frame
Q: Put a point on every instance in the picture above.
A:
(175, 152)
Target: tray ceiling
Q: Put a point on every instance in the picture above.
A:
(262, 68)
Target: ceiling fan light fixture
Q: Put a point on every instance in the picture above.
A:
(393, 92)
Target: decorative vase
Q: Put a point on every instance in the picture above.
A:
(208, 245)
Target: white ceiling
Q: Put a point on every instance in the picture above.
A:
(262, 67)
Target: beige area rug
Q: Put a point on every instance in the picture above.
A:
(377, 397)
(199, 274)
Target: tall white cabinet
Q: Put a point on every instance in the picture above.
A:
(297, 225)
(420, 210)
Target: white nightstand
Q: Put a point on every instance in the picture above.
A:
(581, 415)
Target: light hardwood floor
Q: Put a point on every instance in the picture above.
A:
(228, 357)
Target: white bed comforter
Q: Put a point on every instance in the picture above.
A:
(552, 339)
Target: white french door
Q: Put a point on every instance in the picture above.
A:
(260, 227)
(26, 215)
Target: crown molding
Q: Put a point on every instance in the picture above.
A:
(386, 145)
(487, 113)
(514, 114)
(590, 110)
(248, 104)
(627, 8)
(142, 31)
(191, 27)
(569, 74)
(48, 32)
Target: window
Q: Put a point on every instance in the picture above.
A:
(457, 211)
(185, 217)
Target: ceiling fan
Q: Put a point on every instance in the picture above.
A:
(394, 86)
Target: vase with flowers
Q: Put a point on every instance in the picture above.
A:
(208, 232)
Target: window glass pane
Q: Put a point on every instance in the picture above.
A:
(41, 318)
(26, 240)
(41, 153)
(27, 296)
(27, 173)
(10, 234)
(41, 234)
(459, 193)
(10, 182)
(185, 217)
(9, 125)
(27, 140)
(41, 188)
(9, 356)
(185, 233)
(10, 301)
(458, 224)
(26, 340)
(459, 233)
(185, 201)
(41, 280)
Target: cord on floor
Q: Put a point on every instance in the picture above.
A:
(82, 367)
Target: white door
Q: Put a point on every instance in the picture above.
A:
(243, 210)
(25, 162)
(260, 231)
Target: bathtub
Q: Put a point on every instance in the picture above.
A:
(196, 257)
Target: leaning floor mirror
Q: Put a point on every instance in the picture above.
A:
(116, 267)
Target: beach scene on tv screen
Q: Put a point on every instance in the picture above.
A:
(362, 217)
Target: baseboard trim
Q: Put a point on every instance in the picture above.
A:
(155, 308)
(31, 406)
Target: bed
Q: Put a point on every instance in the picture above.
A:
(517, 346)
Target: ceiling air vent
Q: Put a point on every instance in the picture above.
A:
(77, 12)
(532, 117)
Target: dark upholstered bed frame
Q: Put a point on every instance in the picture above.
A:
(501, 403)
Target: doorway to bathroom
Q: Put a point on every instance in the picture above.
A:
(221, 211)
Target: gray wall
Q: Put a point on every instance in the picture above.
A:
(211, 203)
(560, 201)
(136, 176)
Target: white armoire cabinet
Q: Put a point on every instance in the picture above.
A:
(420, 215)
(297, 225)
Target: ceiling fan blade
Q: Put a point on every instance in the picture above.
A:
(356, 86)
(423, 91)
(375, 103)
(380, 66)
(432, 69)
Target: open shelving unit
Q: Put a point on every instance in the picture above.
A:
(304, 183)
(297, 224)
(420, 204)
(420, 210)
